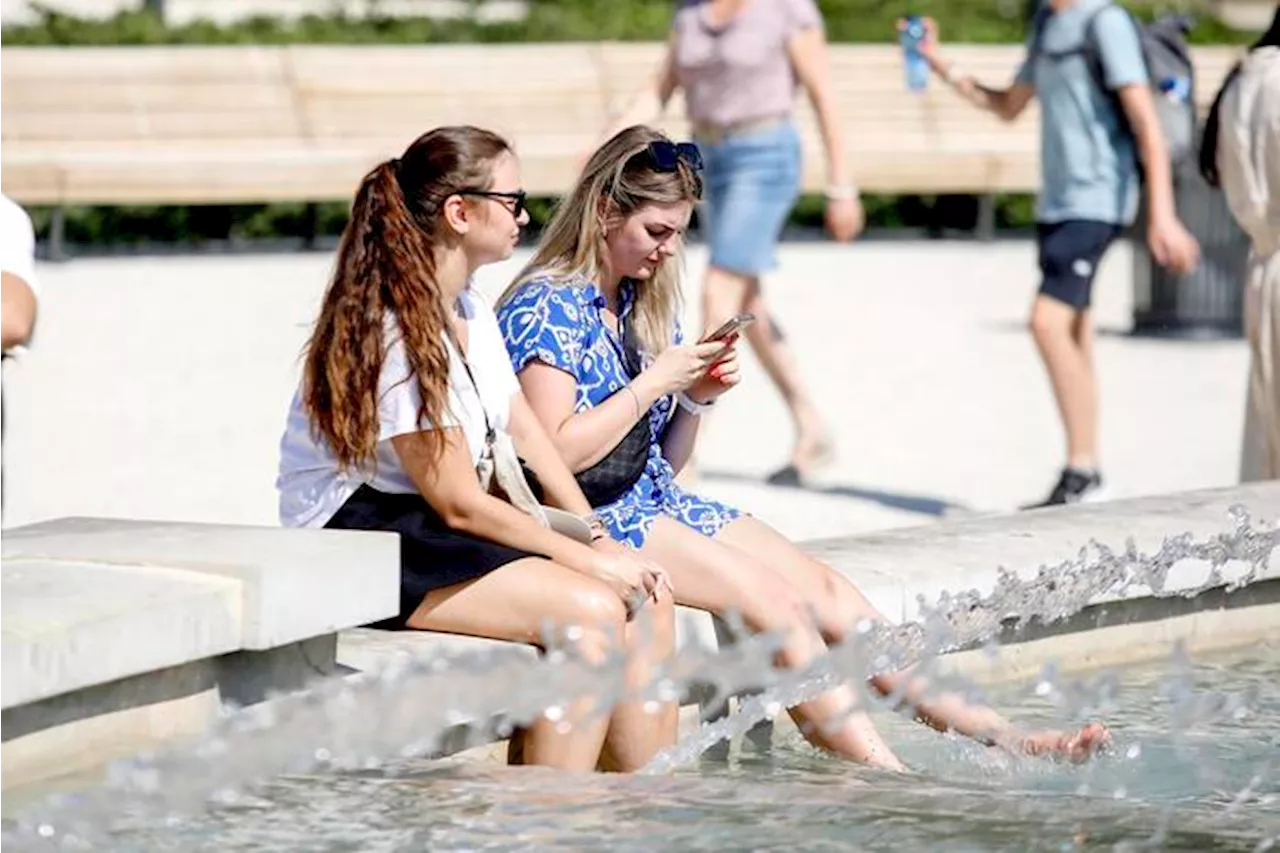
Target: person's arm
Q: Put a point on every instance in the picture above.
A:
(559, 487)
(681, 438)
(1171, 244)
(584, 438)
(1124, 72)
(807, 50)
(650, 102)
(17, 310)
(448, 483)
(682, 432)
(1006, 104)
(18, 284)
(545, 336)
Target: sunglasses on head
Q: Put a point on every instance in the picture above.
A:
(666, 156)
(519, 199)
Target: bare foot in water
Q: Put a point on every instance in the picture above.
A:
(1073, 746)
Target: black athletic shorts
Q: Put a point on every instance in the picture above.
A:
(1069, 256)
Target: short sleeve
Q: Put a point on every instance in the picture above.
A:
(487, 334)
(543, 322)
(18, 244)
(399, 400)
(801, 15)
(1026, 75)
(1119, 48)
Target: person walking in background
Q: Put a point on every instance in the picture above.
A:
(1241, 153)
(739, 63)
(19, 288)
(1094, 132)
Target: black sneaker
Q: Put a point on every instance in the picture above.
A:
(1074, 486)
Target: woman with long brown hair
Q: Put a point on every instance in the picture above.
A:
(408, 413)
(591, 328)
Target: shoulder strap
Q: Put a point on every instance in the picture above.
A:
(1038, 22)
(489, 431)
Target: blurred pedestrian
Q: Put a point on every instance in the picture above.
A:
(1097, 124)
(1241, 153)
(19, 288)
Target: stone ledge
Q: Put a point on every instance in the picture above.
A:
(70, 625)
(295, 583)
(898, 567)
(369, 650)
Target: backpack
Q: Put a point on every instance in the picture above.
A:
(1169, 69)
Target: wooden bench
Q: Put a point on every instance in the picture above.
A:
(191, 125)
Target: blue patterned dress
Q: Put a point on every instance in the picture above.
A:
(559, 323)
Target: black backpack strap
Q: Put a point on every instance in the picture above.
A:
(1038, 22)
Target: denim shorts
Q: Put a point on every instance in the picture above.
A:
(751, 181)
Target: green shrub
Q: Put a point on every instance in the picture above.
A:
(982, 21)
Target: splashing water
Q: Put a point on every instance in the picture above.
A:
(361, 723)
(963, 620)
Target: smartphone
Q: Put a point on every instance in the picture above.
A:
(733, 326)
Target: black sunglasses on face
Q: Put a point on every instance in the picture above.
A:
(666, 156)
(519, 197)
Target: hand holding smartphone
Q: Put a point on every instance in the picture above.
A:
(732, 326)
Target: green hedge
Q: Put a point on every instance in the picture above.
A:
(193, 225)
(978, 21)
(982, 21)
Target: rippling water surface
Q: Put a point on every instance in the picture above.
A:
(1195, 766)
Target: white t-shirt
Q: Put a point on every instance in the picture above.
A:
(18, 250)
(312, 486)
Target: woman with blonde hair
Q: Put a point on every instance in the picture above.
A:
(591, 329)
(408, 419)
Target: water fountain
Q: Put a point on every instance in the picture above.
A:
(348, 764)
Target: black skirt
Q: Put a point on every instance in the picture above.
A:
(432, 555)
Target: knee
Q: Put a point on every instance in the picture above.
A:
(723, 295)
(779, 607)
(1046, 323)
(849, 608)
(1038, 324)
(597, 619)
(652, 632)
(664, 619)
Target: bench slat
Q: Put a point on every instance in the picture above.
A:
(305, 122)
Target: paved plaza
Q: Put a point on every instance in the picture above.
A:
(157, 388)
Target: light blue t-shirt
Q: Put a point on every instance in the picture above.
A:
(1088, 165)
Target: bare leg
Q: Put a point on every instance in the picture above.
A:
(635, 734)
(1064, 338)
(839, 606)
(710, 576)
(726, 294)
(779, 361)
(513, 603)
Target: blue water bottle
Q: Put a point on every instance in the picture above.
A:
(916, 66)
